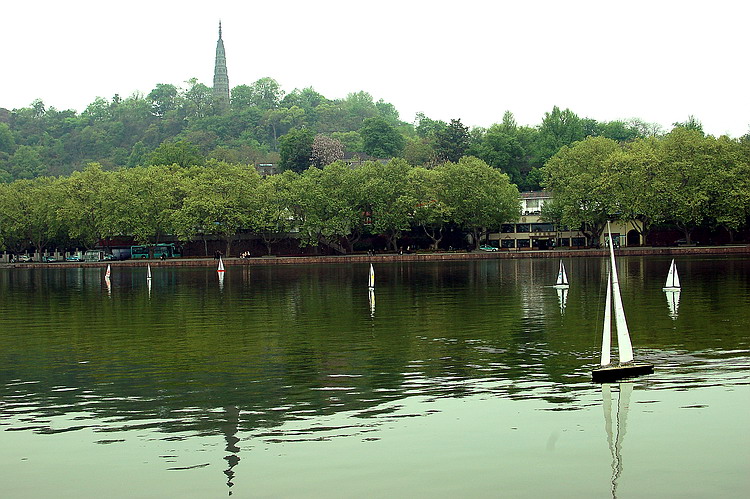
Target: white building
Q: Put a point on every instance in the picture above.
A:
(530, 232)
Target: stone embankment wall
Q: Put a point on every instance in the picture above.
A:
(412, 257)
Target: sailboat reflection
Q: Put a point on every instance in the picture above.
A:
(616, 434)
(673, 301)
(562, 297)
(221, 281)
(229, 428)
(371, 298)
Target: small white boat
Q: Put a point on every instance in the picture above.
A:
(626, 367)
(108, 273)
(562, 277)
(673, 279)
(148, 272)
(221, 266)
(371, 278)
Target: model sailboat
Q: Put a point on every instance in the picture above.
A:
(673, 279)
(148, 272)
(371, 278)
(562, 277)
(221, 266)
(625, 367)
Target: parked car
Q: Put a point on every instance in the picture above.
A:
(107, 257)
(487, 248)
(24, 258)
(49, 259)
(73, 258)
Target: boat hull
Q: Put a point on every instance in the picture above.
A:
(620, 371)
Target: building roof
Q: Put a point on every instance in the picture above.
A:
(536, 194)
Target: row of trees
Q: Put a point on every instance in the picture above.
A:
(683, 178)
(333, 206)
(266, 125)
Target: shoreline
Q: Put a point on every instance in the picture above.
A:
(394, 257)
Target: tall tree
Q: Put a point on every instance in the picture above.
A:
(452, 141)
(295, 149)
(380, 139)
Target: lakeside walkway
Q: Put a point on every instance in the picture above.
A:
(729, 250)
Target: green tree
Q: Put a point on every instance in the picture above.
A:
(181, 152)
(387, 198)
(219, 199)
(577, 177)
(478, 197)
(558, 129)
(26, 162)
(295, 149)
(163, 98)
(452, 141)
(380, 139)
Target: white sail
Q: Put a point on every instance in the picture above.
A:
(371, 278)
(108, 272)
(673, 302)
(221, 266)
(607, 332)
(562, 277)
(624, 346)
(673, 279)
(148, 271)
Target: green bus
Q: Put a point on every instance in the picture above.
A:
(155, 251)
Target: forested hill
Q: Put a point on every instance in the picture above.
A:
(264, 125)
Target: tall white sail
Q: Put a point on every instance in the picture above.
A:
(624, 346)
(673, 279)
(607, 332)
(148, 272)
(221, 266)
(371, 278)
(108, 272)
(562, 277)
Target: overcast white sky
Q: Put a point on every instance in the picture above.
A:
(658, 60)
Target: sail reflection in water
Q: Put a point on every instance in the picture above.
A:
(673, 302)
(371, 299)
(562, 297)
(616, 433)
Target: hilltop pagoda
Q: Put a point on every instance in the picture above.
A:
(221, 80)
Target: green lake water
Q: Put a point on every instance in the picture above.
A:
(460, 379)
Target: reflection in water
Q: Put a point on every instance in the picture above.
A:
(673, 301)
(616, 434)
(294, 359)
(229, 428)
(371, 298)
(562, 298)
(221, 280)
(109, 286)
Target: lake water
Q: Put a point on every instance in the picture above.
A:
(464, 379)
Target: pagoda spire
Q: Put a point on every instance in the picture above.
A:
(221, 80)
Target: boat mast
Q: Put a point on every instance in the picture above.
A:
(624, 346)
